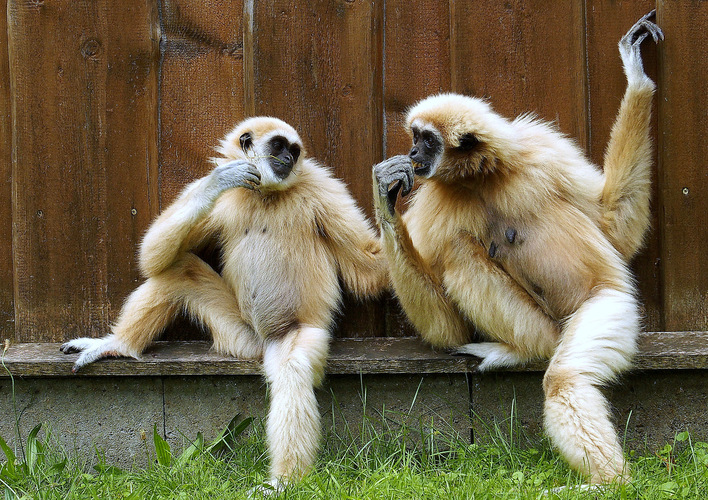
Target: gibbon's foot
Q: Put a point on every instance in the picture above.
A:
(270, 488)
(92, 350)
(493, 355)
(394, 175)
(237, 173)
(630, 46)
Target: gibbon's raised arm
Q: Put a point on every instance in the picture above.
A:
(357, 250)
(629, 154)
(420, 293)
(184, 225)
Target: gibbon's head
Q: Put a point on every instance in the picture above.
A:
(273, 146)
(456, 136)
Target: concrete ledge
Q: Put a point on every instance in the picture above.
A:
(184, 388)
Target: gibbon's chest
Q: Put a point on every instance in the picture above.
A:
(272, 253)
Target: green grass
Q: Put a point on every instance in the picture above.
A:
(376, 464)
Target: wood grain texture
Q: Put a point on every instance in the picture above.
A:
(525, 56)
(84, 90)
(607, 21)
(7, 301)
(327, 83)
(201, 87)
(417, 62)
(683, 174)
(657, 351)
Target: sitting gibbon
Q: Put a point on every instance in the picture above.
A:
(289, 232)
(514, 233)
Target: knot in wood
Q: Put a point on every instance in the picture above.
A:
(90, 48)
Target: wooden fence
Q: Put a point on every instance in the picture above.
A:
(107, 109)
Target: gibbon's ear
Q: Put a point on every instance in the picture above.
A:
(246, 141)
(468, 142)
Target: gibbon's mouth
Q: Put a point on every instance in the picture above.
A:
(421, 169)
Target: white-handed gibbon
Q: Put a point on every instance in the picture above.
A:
(289, 232)
(514, 233)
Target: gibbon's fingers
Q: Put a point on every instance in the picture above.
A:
(237, 173)
(396, 168)
(393, 176)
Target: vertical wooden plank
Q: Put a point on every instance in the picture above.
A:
(7, 304)
(201, 98)
(318, 66)
(683, 148)
(84, 87)
(201, 86)
(525, 55)
(417, 62)
(607, 22)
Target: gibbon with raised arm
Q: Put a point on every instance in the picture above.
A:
(514, 233)
(289, 232)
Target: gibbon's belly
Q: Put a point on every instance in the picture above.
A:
(273, 289)
(548, 267)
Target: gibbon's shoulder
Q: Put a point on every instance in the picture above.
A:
(320, 178)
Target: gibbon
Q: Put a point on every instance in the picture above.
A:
(514, 233)
(289, 232)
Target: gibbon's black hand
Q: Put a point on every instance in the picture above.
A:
(237, 173)
(394, 175)
(630, 46)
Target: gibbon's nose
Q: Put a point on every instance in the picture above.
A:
(413, 152)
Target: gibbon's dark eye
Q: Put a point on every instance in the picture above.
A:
(277, 144)
(468, 142)
(295, 151)
(429, 140)
(246, 141)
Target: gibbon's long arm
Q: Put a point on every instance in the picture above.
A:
(420, 293)
(501, 309)
(353, 243)
(629, 155)
(183, 225)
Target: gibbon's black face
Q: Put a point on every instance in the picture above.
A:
(281, 154)
(427, 147)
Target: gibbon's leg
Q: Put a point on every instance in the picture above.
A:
(189, 283)
(499, 307)
(599, 340)
(629, 158)
(420, 292)
(294, 365)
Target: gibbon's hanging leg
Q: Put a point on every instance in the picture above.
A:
(294, 367)
(189, 283)
(629, 155)
(598, 343)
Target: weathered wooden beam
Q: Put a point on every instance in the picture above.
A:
(658, 351)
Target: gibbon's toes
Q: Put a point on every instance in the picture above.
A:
(271, 488)
(492, 354)
(67, 348)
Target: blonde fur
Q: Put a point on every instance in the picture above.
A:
(286, 243)
(515, 234)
